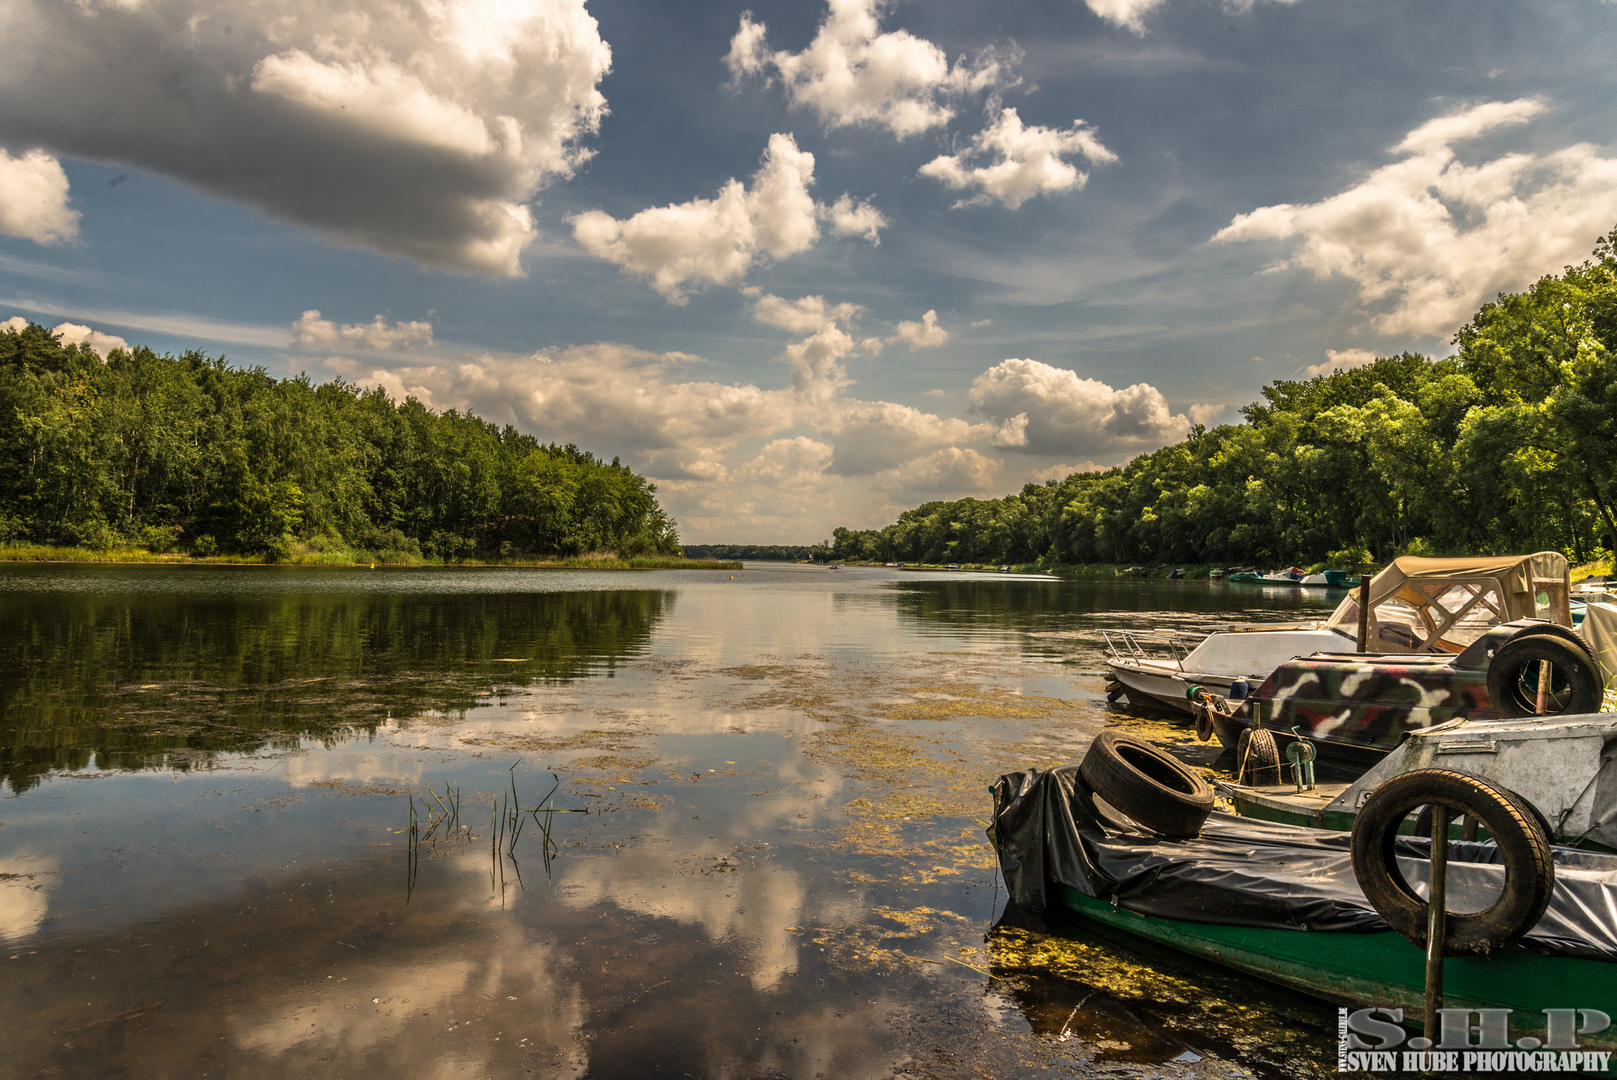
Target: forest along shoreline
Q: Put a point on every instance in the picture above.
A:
(191, 456)
(41, 553)
(1510, 445)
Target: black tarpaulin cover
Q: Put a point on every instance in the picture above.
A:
(1050, 830)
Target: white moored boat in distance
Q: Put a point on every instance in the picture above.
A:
(1416, 605)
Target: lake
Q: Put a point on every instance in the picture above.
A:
(427, 822)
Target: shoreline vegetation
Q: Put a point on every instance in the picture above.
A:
(1508, 446)
(51, 553)
(1192, 571)
(141, 456)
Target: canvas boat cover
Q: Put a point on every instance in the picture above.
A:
(1599, 630)
(1048, 829)
(1427, 605)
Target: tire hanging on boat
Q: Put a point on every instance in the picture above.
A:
(1204, 721)
(1257, 758)
(1514, 673)
(1523, 848)
(1151, 787)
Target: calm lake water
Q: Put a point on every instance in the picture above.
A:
(778, 866)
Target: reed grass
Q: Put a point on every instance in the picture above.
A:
(439, 820)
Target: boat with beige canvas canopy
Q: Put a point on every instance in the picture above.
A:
(1416, 605)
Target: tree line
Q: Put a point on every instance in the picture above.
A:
(1509, 445)
(193, 454)
(773, 552)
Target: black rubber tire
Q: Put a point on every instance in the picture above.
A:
(1519, 657)
(1523, 847)
(1257, 758)
(1151, 787)
(1423, 820)
(1204, 723)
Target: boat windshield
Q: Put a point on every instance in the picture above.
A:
(1443, 605)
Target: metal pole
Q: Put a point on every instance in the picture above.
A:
(1364, 612)
(1545, 673)
(1437, 921)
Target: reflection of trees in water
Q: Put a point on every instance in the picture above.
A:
(966, 604)
(137, 681)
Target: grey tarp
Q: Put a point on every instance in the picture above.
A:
(1049, 830)
(1599, 629)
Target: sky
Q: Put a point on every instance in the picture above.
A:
(803, 264)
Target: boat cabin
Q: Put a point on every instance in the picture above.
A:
(1443, 605)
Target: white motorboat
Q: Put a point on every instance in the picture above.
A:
(1416, 605)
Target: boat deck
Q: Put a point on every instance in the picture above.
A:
(1284, 803)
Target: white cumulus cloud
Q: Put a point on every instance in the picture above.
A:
(869, 436)
(623, 397)
(715, 241)
(850, 218)
(736, 461)
(1429, 238)
(1058, 473)
(71, 334)
(926, 334)
(77, 334)
(806, 315)
(33, 199)
(420, 130)
(1021, 161)
(1039, 409)
(313, 332)
(1341, 360)
(791, 463)
(951, 471)
(1132, 13)
(855, 73)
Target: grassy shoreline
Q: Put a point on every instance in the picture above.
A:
(50, 553)
(1191, 570)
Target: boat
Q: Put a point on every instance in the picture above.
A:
(1327, 579)
(1417, 605)
(1558, 764)
(1362, 707)
(1284, 903)
(1244, 575)
(1292, 576)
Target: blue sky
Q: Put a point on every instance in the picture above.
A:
(803, 264)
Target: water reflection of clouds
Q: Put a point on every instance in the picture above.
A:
(396, 1009)
(747, 910)
(343, 763)
(25, 884)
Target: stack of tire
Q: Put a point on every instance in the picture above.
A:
(1153, 788)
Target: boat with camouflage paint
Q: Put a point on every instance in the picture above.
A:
(1436, 607)
(1357, 706)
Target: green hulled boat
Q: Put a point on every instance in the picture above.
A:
(1281, 902)
(1380, 970)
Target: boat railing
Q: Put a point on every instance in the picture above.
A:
(1130, 644)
